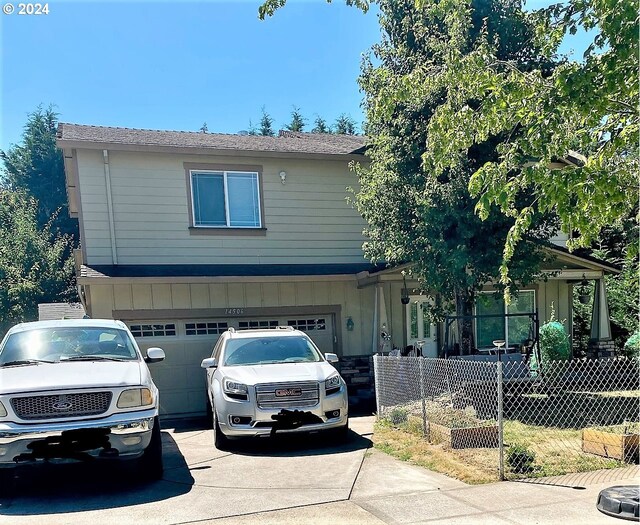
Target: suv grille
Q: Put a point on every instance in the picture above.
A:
(288, 395)
(61, 405)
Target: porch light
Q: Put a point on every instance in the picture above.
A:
(404, 295)
(349, 324)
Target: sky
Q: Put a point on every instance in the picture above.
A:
(175, 65)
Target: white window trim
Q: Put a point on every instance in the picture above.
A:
(506, 322)
(419, 299)
(226, 199)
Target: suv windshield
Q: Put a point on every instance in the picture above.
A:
(270, 350)
(67, 344)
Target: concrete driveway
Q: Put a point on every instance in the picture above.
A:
(199, 483)
(292, 481)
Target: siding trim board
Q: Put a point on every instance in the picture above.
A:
(81, 225)
(210, 313)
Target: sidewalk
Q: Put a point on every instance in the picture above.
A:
(390, 491)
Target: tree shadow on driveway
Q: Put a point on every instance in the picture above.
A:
(79, 487)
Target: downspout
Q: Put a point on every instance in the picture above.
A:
(112, 226)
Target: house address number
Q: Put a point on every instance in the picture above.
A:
(234, 311)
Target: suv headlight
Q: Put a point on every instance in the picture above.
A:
(233, 387)
(332, 383)
(136, 397)
(3, 411)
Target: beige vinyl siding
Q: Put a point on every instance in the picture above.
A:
(355, 303)
(555, 294)
(308, 219)
(97, 238)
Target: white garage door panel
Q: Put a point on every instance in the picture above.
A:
(179, 377)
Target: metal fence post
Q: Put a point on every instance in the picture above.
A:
(376, 375)
(500, 420)
(422, 397)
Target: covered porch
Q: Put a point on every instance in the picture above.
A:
(402, 324)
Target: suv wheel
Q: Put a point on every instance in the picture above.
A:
(151, 465)
(220, 441)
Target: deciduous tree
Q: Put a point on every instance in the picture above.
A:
(417, 214)
(35, 265)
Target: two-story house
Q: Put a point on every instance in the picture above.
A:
(186, 234)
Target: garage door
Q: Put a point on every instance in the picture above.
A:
(187, 342)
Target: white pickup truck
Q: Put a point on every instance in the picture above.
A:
(73, 390)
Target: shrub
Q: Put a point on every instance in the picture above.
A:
(520, 459)
(554, 342)
(632, 347)
(398, 416)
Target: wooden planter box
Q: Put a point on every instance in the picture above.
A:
(472, 437)
(611, 445)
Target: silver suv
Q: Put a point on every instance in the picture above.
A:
(260, 382)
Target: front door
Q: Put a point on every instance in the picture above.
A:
(420, 329)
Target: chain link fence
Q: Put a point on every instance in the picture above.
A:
(513, 418)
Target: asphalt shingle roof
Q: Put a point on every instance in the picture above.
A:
(285, 142)
(53, 311)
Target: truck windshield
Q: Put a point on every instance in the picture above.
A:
(67, 344)
(270, 350)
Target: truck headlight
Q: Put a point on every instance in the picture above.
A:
(332, 383)
(3, 411)
(136, 397)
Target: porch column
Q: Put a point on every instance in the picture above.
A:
(375, 335)
(600, 327)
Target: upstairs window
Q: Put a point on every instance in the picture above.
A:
(225, 199)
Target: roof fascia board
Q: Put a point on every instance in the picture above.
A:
(152, 148)
(215, 279)
(592, 265)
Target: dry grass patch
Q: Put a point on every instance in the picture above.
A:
(557, 451)
(474, 466)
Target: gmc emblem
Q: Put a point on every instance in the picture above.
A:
(289, 392)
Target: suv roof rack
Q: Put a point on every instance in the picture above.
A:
(290, 328)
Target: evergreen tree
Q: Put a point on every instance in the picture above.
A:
(297, 122)
(345, 125)
(265, 127)
(36, 167)
(320, 126)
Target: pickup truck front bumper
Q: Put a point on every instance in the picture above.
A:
(123, 435)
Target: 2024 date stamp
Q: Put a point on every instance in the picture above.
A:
(28, 9)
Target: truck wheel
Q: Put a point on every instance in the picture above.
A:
(151, 465)
(220, 441)
(7, 482)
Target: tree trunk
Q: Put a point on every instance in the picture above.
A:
(464, 307)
